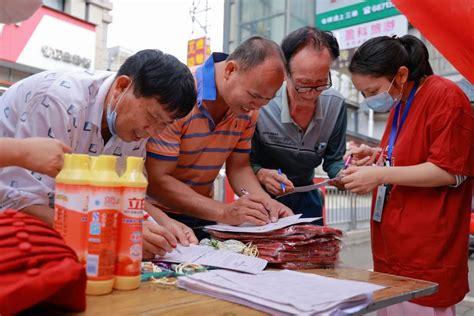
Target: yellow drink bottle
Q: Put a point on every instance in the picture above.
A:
(104, 205)
(71, 198)
(59, 196)
(130, 226)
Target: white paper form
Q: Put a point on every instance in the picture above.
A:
(282, 222)
(308, 188)
(226, 293)
(209, 256)
(284, 291)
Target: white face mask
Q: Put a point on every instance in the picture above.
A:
(382, 102)
(112, 114)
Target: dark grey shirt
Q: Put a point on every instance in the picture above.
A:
(279, 142)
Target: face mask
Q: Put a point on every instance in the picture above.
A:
(381, 102)
(112, 114)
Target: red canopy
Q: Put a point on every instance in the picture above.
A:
(448, 25)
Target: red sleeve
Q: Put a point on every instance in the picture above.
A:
(451, 132)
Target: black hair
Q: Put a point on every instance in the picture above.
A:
(163, 76)
(253, 52)
(382, 57)
(304, 36)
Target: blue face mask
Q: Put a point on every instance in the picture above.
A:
(112, 114)
(381, 102)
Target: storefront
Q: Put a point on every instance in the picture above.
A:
(50, 39)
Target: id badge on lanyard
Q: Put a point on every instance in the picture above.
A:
(383, 190)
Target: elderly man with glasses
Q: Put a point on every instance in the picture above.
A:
(304, 126)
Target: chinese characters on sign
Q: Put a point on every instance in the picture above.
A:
(354, 36)
(198, 50)
(358, 13)
(64, 56)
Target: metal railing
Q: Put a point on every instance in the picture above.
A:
(346, 210)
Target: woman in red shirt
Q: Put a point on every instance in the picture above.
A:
(420, 175)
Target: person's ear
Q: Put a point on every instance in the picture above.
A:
(122, 83)
(230, 68)
(401, 77)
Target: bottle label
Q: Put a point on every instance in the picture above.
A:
(104, 203)
(130, 233)
(71, 214)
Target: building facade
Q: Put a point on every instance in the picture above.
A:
(62, 34)
(352, 22)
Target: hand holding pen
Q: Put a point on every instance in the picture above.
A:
(348, 161)
(282, 184)
(346, 165)
(248, 209)
(336, 181)
(274, 181)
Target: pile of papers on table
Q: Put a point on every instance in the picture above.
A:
(283, 292)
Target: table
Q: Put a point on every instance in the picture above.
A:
(154, 299)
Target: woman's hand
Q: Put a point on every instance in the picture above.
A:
(362, 180)
(364, 155)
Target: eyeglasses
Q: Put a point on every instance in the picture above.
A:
(304, 90)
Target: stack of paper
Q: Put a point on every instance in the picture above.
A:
(208, 256)
(283, 292)
(250, 228)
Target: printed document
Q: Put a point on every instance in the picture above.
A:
(208, 256)
(281, 223)
(283, 291)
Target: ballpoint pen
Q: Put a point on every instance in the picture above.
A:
(282, 185)
(348, 161)
(346, 164)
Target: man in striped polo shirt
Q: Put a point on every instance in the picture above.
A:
(304, 126)
(185, 159)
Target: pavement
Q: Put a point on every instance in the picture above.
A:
(356, 253)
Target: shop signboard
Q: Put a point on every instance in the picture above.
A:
(49, 40)
(357, 13)
(198, 50)
(354, 36)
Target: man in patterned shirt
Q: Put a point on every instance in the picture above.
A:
(96, 113)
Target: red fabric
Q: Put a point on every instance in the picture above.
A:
(453, 37)
(36, 267)
(424, 232)
(302, 246)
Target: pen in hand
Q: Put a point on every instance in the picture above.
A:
(282, 185)
(245, 192)
(346, 165)
(348, 161)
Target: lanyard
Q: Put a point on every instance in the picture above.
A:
(396, 131)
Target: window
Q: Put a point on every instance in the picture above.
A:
(55, 4)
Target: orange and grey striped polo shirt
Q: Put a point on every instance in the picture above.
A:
(198, 144)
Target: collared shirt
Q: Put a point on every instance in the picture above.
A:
(279, 142)
(198, 144)
(67, 106)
